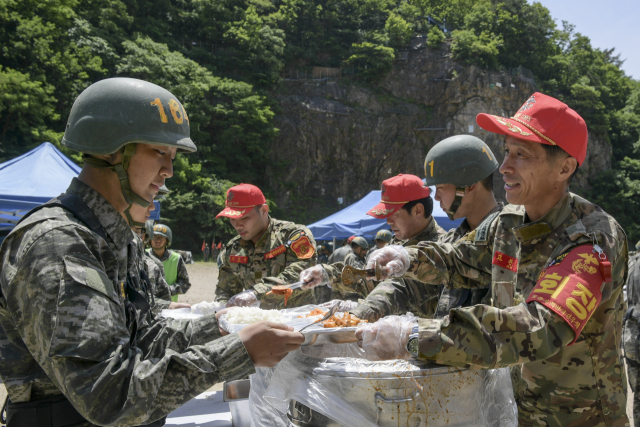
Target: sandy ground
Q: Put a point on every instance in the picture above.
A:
(204, 277)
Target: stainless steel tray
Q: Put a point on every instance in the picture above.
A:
(317, 336)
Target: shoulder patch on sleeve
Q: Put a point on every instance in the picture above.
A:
(571, 287)
(84, 273)
(303, 248)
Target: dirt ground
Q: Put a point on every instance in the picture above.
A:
(204, 277)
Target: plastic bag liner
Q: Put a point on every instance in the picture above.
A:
(360, 393)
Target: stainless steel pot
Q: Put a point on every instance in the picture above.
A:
(236, 393)
(397, 393)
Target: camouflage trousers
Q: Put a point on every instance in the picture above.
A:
(631, 344)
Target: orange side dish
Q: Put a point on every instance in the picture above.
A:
(346, 321)
(282, 290)
(314, 312)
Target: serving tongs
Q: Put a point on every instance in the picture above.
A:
(351, 275)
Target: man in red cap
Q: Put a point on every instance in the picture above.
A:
(407, 205)
(266, 252)
(341, 253)
(563, 269)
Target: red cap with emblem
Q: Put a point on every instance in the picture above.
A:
(545, 120)
(240, 199)
(397, 192)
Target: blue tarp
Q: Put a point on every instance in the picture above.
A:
(354, 221)
(34, 178)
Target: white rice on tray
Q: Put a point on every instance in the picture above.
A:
(249, 315)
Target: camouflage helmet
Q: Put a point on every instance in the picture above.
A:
(384, 235)
(360, 241)
(163, 230)
(114, 112)
(461, 160)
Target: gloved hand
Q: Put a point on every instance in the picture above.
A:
(387, 338)
(394, 260)
(244, 299)
(314, 276)
(342, 305)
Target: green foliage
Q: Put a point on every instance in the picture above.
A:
(223, 59)
(372, 60)
(398, 30)
(435, 37)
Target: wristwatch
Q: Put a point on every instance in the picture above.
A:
(412, 345)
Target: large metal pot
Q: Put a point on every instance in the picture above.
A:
(236, 393)
(398, 393)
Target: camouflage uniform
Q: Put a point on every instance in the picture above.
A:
(460, 297)
(67, 327)
(340, 254)
(155, 273)
(408, 295)
(272, 261)
(631, 334)
(563, 383)
(182, 284)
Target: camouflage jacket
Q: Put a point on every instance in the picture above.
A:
(339, 254)
(460, 297)
(282, 252)
(155, 272)
(182, 284)
(67, 328)
(562, 383)
(403, 295)
(631, 334)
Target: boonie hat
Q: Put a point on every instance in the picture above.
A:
(240, 199)
(545, 120)
(397, 192)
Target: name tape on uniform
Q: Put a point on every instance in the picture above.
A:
(275, 252)
(505, 261)
(236, 259)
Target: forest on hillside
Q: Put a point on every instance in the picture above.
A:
(224, 59)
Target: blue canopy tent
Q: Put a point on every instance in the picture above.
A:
(354, 221)
(33, 179)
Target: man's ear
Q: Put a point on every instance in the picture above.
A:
(567, 166)
(418, 210)
(471, 188)
(265, 208)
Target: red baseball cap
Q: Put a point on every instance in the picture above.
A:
(545, 120)
(241, 199)
(350, 239)
(397, 192)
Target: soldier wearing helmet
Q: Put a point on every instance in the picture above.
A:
(556, 265)
(143, 227)
(80, 345)
(175, 269)
(383, 237)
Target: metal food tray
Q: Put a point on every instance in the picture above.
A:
(319, 336)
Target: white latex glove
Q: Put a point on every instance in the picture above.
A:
(244, 299)
(342, 305)
(314, 276)
(394, 260)
(387, 338)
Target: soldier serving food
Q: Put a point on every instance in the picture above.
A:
(556, 281)
(79, 344)
(266, 252)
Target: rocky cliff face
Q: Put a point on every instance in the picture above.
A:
(341, 139)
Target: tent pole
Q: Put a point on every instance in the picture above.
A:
(334, 244)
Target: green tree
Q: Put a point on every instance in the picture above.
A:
(435, 37)
(398, 30)
(371, 60)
